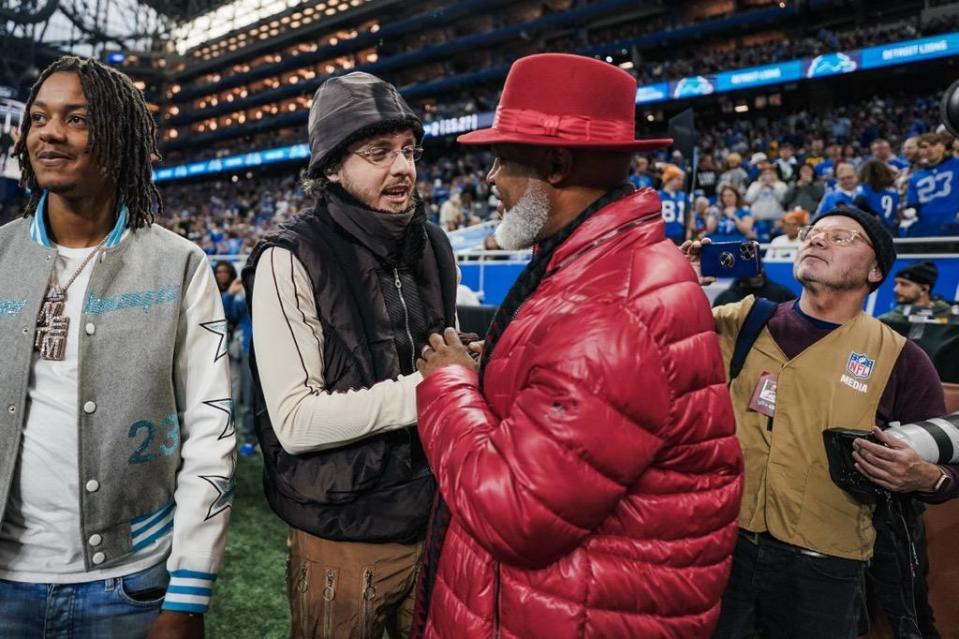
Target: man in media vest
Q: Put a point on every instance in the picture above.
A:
(821, 362)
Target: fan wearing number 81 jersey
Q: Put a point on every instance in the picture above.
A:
(673, 200)
(934, 193)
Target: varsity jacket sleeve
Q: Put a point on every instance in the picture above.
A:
(204, 485)
(288, 343)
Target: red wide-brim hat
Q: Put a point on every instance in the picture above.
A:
(558, 99)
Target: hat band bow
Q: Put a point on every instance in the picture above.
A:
(563, 127)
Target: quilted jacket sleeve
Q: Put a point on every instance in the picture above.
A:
(587, 419)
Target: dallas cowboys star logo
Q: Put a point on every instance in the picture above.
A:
(225, 405)
(224, 487)
(218, 327)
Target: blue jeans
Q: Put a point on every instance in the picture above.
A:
(778, 592)
(117, 608)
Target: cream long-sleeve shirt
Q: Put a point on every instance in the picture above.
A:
(288, 342)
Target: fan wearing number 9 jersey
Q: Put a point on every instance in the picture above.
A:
(934, 193)
(883, 203)
(673, 200)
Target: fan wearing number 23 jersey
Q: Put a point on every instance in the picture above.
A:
(674, 214)
(934, 193)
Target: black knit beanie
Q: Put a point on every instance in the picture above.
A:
(921, 273)
(881, 239)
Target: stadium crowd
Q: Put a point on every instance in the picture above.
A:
(761, 157)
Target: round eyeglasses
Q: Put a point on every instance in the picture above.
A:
(839, 237)
(382, 156)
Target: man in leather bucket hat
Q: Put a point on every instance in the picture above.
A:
(588, 464)
(346, 294)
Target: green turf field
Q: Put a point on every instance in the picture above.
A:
(249, 601)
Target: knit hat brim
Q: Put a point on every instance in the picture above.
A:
(922, 273)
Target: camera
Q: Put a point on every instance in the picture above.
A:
(934, 440)
(730, 259)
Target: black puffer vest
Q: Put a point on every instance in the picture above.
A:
(376, 317)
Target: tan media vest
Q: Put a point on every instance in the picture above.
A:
(787, 489)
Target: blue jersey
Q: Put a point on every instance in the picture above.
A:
(834, 199)
(726, 229)
(884, 203)
(640, 181)
(934, 193)
(897, 163)
(674, 213)
(824, 169)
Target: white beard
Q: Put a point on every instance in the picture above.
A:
(522, 224)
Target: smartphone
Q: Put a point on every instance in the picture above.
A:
(730, 259)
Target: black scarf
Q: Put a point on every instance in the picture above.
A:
(533, 274)
(396, 239)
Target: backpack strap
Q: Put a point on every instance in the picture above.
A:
(756, 320)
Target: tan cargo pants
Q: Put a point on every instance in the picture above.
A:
(345, 590)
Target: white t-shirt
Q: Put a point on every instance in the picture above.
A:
(40, 539)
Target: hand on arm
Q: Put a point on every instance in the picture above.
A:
(447, 350)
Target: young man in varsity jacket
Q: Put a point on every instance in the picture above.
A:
(344, 299)
(116, 429)
(821, 362)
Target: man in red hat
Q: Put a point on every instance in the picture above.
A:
(588, 462)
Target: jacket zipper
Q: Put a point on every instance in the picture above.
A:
(406, 316)
(369, 593)
(329, 594)
(496, 590)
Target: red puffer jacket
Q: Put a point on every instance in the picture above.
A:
(594, 490)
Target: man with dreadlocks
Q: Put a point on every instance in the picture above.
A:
(345, 295)
(116, 429)
(589, 464)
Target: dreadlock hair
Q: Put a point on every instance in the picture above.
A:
(122, 137)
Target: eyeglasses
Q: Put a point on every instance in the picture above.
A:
(381, 156)
(839, 237)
